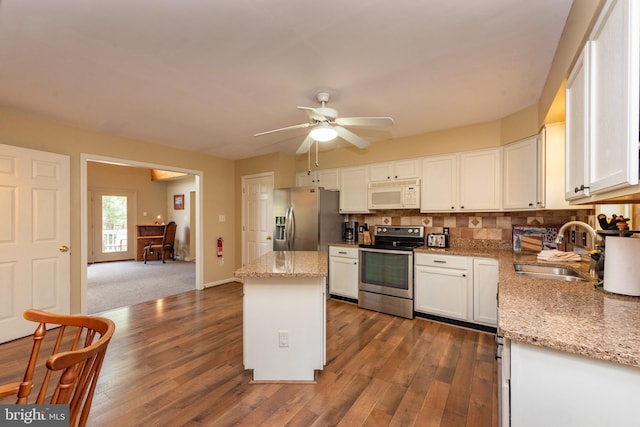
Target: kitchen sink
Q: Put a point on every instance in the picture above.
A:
(549, 272)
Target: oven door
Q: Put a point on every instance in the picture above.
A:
(386, 272)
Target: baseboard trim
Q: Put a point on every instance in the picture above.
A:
(219, 282)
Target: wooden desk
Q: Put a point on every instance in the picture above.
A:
(148, 234)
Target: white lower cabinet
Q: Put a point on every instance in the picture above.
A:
(553, 388)
(443, 286)
(343, 271)
(457, 287)
(485, 291)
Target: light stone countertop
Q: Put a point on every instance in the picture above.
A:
(569, 316)
(287, 264)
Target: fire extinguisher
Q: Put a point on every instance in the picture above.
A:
(219, 247)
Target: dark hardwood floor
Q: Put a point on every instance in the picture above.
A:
(178, 361)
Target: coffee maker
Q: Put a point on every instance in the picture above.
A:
(350, 231)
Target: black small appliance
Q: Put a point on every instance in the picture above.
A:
(350, 231)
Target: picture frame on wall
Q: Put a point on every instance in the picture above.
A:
(178, 201)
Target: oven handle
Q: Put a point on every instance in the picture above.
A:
(386, 251)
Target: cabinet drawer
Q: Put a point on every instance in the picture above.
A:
(446, 261)
(344, 252)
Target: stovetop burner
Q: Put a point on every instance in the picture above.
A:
(400, 237)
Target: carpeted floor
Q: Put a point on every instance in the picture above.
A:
(122, 283)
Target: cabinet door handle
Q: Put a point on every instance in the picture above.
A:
(342, 253)
(437, 261)
(581, 188)
(464, 275)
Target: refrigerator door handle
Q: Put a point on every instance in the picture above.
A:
(290, 228)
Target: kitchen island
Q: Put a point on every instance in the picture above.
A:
(284, 319)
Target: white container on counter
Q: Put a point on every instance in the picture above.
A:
(622, 265)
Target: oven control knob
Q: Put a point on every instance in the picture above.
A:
(410, 230)
(384, 230)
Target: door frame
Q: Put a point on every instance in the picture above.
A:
(85, 158)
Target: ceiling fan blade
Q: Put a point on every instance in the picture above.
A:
(365, 121)
(305, 146)
(301, 125)
(313, 114)
(351, 137)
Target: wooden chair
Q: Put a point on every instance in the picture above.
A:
(165, 247)
(75, 362)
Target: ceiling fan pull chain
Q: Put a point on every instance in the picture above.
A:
(317, 163)
(309, 160)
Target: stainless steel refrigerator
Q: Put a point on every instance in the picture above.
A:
(306, 219)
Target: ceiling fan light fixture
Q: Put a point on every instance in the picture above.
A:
(323, 132)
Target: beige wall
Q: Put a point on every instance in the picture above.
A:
(155, 198)
(151, 196)
(183, 247)
(218, 193)
(518, 125)
(581, 18)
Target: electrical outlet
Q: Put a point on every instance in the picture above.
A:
(445, 230)
(584, 239)
(573, 236)
(283, 338)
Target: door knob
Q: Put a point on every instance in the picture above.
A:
(268, 237)
(63, 248)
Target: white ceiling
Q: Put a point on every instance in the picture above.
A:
(206, 75)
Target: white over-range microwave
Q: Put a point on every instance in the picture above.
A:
(399, 194)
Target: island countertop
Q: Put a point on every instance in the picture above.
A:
(568, 316)
(287, 264)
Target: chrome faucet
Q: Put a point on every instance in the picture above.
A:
(584, 225)
(593, 264)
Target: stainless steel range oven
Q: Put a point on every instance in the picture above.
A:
(385, 278)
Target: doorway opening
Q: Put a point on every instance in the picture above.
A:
(105, 238)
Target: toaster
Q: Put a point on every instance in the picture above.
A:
(437, 240)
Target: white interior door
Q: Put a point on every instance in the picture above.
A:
(113, 238)
(34, 237)
(257, 202)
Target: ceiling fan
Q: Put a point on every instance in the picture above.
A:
(326, 125)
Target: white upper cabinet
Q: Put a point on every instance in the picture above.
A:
(406, 169)
(521, 169)
(602, 108)
(481, 180)
(353, 189)
(468, 181)
(576, 146)
(326, 178)
(305, 179)
(439, 184)
(401, 169)
(614, 97)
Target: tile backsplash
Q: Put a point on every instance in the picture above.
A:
(478, 229)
